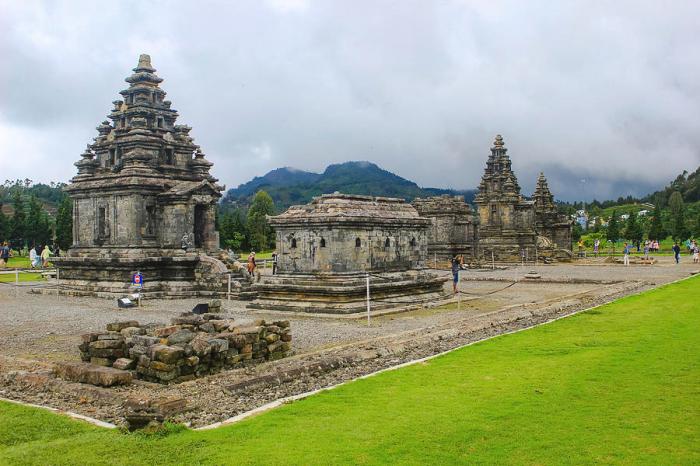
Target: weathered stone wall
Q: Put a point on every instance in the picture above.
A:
(452, 231)
(337, 250)
(193, 346)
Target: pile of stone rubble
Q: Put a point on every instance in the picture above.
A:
(194, 345)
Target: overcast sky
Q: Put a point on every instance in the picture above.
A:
(606, 92)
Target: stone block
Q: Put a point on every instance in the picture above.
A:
(218, 345)
(88, 337)
(110, 336)
(272, 337)
(200, 346)
(190, 319)
(162, 367)
(165, 332)
(192, 361)
(282, 323)
(124, 364)
(119, 326)
(98, 361)
(145, 340)
(106, 344)
(92, 374)
(259, 322)
(130, 332)
(286, 337)
(207, 327)
(181, 337)
(109, 353)
(220, 325)
(166, 354)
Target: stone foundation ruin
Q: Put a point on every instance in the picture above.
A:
(192, 346)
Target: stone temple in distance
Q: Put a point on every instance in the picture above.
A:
(143, 200)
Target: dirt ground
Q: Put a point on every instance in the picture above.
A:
(44, 328)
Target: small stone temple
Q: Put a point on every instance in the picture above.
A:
(327, 248)
(452, 231)
(553, 228)
(143, 199)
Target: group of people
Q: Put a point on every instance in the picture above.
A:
(251, 265)
(39, 256)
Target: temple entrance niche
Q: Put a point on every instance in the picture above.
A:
(200, 211)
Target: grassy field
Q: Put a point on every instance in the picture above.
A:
(23, 276)
(617, 384)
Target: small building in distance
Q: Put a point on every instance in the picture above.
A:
(143, 199)
(327, 248)
(452, 231)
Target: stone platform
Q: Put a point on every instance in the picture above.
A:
(347, 293)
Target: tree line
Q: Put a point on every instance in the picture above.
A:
(243, 229)
(31, 223)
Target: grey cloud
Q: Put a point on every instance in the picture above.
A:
(605, 90)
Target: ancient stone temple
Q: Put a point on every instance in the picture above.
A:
(143, 198)
(506, 220)
(550, 225)
(510, 225)
(328, 247)
(452, 231)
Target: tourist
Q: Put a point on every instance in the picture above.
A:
(456, 265)
(596, 246)
(33, 257)
(274, 262)
(696, 252)
(677, 252)
(251, 263)
(45, 255)
(185, 242)
(626, 253)
(580, 248)
(656, 245)
(646, 249)
(4, 254)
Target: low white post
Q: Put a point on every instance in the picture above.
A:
(228, 294)
(493, 262)
(368, 306)
(459, 299)
(16, 277)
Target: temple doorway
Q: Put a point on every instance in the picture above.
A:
(199, 225)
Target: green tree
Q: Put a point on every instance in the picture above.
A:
(613, 233)
(4, 226)
(19, 218)
(259, 231)
(64, 224)
(633, 230)
(677, 208)
(38, 225)
(656, 230)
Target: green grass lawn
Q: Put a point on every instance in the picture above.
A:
(23, 276)
(19, 262)
(617, 384)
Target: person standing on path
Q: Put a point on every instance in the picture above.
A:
(596, 245)
(274, 262)
(646, 249)
(45, 255)
(696, 252)
(251, 264)
(33, 258)
(677, 252)
(456, 265)
(626, 254)
(4, 254)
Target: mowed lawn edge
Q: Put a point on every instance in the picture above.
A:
(616, 384)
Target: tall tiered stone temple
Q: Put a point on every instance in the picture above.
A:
(143, 198)
(506, 220)
(550, 224)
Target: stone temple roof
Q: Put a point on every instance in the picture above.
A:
(340, 208)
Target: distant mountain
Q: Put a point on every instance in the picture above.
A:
(688, 184)
(289, 186)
